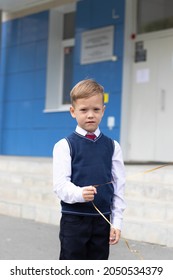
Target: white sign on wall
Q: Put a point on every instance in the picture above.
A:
(142, 76)
(97, 45)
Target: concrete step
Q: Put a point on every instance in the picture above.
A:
(159, 191)
(157, 184)
(149, 220)
(26, 179)
(27, 194)
(157, 173)
(149, 213)
(152, 231)
(32, 165)
(26, 191)
(150, 209)
(34, 211)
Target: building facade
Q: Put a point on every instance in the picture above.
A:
(45, 52)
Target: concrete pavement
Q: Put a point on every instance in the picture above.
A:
(23, 239)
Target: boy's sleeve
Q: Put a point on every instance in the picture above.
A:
(118, 180)
(62, 185)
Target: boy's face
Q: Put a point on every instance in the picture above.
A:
(88, 112)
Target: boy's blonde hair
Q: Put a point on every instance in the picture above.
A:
(85, 89)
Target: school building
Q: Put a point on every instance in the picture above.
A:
(47, 46)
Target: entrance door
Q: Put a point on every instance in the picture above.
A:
(164, 127)
(151, 131)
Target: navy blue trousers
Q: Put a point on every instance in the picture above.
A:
(84, 237)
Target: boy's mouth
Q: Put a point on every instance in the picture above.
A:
(90, 123)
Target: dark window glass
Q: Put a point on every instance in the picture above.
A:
(154, 15)
(69, 25)
(68, 74)
(68, 33)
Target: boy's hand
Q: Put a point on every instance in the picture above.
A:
(114, 236)
(88, 193)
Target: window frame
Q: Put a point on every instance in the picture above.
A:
(55, 65)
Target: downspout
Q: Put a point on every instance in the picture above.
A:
(1, 84)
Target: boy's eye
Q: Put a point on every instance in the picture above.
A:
(84, 110)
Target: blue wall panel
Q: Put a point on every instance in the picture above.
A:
(102, 12)
(108, 73)
(24, 127)
(20, 86)
(12, 59)
(24, 50)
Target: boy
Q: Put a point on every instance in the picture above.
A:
(87, 171)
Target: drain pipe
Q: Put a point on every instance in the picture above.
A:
(1, 87)
(0, 25)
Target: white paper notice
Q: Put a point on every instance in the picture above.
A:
(142, 76)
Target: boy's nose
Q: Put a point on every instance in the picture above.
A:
(90, 114)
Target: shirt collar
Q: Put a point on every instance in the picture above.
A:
(83, 132)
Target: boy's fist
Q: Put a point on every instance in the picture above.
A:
(88, 193)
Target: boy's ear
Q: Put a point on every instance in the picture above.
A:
(72, 112)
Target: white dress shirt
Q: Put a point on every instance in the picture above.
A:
(70, 193)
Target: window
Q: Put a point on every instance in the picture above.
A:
(154, 15)
(68, 73)
(68, 49)
(60, 58)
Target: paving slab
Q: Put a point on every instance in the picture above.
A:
(23, 239)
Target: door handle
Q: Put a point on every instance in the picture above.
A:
(163, 99)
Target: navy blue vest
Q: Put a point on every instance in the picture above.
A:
(91, 165)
